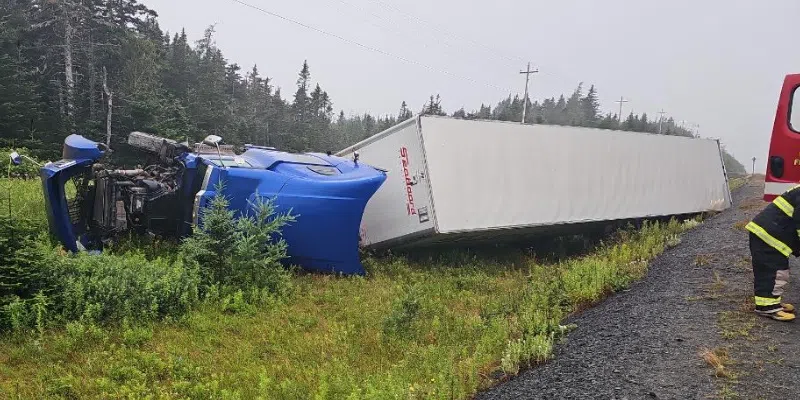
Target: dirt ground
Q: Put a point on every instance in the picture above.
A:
(686, 331)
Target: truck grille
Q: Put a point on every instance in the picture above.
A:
(76, 204)
(75, 210)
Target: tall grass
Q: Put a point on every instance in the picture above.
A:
(739, 181)
(26, 200)
(439, 327)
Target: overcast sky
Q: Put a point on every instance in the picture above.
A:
(717, 64)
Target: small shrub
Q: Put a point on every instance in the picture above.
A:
(138, 374)
(586, 280)
(20, 272)
(108, 287)
(691, 223)
(85, 333)
(212, 293)
(63, 387)
(240, 252)
(211, 244)
(17, 315)
(39, 309)
(673, 240)
(512, 357)
(236, 304)
(527, 351)
(136, 336)
(403, 313)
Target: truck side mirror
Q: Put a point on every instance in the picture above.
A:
(212, 140)
(16, 159)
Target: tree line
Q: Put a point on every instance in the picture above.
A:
(106, 66)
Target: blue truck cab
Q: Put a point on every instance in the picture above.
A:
(326, 194)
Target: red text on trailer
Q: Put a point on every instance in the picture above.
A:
(407, 176)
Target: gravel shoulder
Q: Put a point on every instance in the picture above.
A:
(646, 342)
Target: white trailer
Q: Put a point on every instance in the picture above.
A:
(452, 179)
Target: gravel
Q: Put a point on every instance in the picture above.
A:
(644, 343)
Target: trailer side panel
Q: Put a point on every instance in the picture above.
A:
(493, 175)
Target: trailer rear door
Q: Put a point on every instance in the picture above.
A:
(402, 208)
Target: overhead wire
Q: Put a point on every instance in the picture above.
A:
(377, 25)
(385, 19)
(364, 46)
(515, 60)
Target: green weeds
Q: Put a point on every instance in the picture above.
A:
(198, 324)
(235, 260)
(738, 182)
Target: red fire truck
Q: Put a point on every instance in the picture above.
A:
(783, 165)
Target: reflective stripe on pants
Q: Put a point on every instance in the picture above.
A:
(769, 239)
(767, 301)
(770, 273)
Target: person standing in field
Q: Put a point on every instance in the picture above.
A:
(774, 236)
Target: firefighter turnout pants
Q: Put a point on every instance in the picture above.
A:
(770, 274)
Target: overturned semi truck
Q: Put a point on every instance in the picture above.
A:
(453, 180)
(166, 196)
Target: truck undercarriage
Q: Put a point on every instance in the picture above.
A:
(109, 201)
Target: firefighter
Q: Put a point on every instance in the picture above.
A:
(774, 236)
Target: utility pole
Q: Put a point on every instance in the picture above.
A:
(527, 74)
(620, 101)
(660, 120)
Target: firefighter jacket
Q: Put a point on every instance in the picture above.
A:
(778, 225)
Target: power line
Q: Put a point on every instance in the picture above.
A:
(392, 22)
(419, 20)
(378, 16)
(363, 46)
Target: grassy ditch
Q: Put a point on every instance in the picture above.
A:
(738, 182)
(441, 327)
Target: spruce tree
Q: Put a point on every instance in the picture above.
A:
(405, 113)
(590, 107)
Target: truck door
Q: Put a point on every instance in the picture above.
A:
(783, 164)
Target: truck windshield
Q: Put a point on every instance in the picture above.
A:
(794, 111)
(235, 162)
